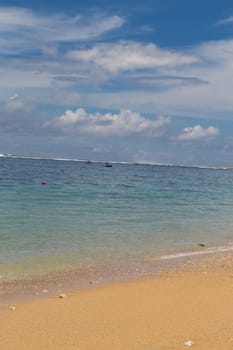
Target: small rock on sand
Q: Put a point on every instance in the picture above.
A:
(188, 343)
(62, 295)
(12, 308)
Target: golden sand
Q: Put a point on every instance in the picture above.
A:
(192, 305)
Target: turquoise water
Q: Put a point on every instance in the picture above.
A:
(89, 215)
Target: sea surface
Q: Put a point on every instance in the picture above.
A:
(88, 215)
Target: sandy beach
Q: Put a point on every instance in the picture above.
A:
(188, 306)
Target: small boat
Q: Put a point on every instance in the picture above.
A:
(89, 162)
(108, 165)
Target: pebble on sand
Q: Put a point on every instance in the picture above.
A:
(12, 308)
(188, 343)
(62, 295)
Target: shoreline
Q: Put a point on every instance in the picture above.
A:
(187, 304)
(50, 284)
(41, 286)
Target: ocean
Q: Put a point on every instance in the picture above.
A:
(88, 216)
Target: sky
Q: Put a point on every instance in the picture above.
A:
(133, 81)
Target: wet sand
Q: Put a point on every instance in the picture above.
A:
(191, 305)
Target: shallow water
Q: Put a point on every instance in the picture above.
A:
(89, 215)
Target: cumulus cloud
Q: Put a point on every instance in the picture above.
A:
(130, 55)
(122, 124)
(197, 132)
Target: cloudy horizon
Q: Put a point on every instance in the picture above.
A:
(118, 82)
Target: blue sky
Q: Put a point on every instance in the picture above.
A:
(135, 81)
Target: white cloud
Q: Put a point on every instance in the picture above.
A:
(22, 29)
(13, 97)
(11, 17)
(215, 52)
(122, 124)
(100, 64)
(140, 76)
(15, 104)
(20, 78)
(209, 96)
(129, 55)
(67, 98)
(197, 132)
(226, 20)
(15, 115)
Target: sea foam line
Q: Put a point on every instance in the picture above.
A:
(7, 155)
(199, 252)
